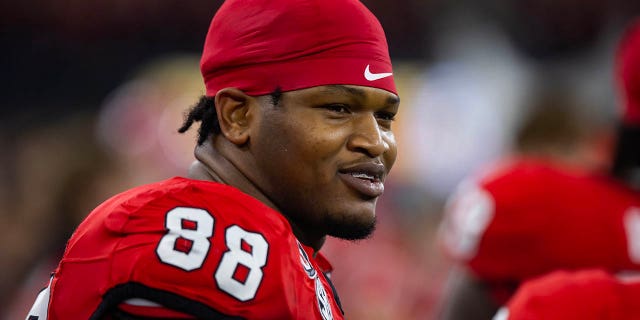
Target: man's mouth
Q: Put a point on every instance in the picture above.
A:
(365, 178)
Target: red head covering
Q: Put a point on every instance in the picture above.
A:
(629, 73)
(258, 45)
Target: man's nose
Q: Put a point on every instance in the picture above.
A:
(367, 136)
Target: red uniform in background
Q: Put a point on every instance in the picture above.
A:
(198, 247)
(528, 217)
(585, 295)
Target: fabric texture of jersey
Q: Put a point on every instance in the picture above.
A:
(197, 247)
(527, 217)
(585, 295)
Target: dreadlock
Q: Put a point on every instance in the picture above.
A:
(205, 112)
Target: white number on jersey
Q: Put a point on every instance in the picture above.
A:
(468, 216)
(39, 309)
(187, 245)
(254, 257)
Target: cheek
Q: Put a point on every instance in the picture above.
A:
(293, 147)
(391, 154)
(327, 143)
(314, 145)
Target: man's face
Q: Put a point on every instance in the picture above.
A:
(322, 155)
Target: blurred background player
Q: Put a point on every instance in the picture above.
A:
(627, 160)
(596, 294)
(284, 158)
(550, 207)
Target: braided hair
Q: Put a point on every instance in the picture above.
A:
(205, 112)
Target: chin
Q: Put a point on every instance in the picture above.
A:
(350, 228)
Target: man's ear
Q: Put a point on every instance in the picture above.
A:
(234, 114)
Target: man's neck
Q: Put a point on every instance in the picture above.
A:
(213, 165)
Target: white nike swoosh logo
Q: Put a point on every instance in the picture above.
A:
(375, 76)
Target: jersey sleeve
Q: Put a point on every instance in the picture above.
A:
(535, 218)
(495, 230)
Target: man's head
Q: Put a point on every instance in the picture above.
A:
(300, 99)
(561, 127)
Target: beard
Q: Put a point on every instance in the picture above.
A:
(350, 229)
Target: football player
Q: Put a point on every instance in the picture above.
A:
(595, 294)
(534, 214)
(295, 143)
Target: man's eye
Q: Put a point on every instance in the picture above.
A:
(338, 108)
(382, 115)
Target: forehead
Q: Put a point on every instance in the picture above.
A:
(361, 93)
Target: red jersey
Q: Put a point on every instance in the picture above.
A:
(197, 247)
(528, 217)
(585, 295)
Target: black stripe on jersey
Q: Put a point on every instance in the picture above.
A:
(335, 292)
(122, 292)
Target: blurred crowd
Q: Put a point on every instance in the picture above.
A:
(93, 94)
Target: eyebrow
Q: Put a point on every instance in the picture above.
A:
(344, 89)
(358, 92)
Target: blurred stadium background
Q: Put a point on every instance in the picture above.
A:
(92, 93)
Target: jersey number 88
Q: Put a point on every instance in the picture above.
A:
(186, 246)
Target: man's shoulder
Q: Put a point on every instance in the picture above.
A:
(148, 209)
(539, 207)
(526, 175)
(220, 200)
(182, 191)
(517, 183)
